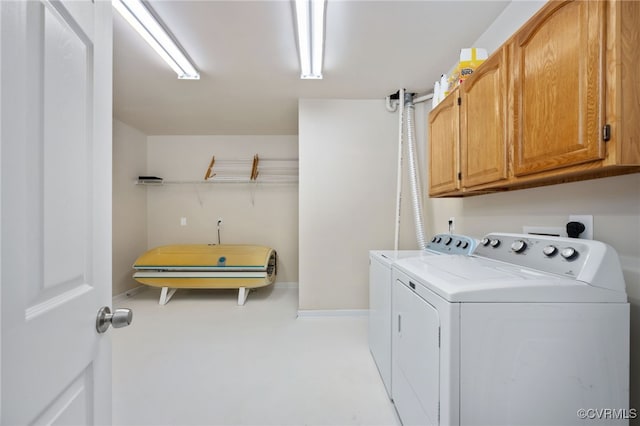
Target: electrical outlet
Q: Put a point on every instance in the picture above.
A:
(219, 220)
(183, 221)
(587, 221)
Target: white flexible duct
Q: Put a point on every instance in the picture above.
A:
(399, 175)
(416, 191)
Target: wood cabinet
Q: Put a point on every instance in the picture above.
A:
(623, 83)
(558, 89)
(558, 102)
(444, 137)
(468, 132)
(483, 123)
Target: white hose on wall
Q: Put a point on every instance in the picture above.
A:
(416, 191)
(396, 239)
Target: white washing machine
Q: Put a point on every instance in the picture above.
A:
(528, 330)
(380, 281)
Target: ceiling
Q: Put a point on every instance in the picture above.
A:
(247, 57)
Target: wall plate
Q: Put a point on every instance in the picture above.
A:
(587, 221)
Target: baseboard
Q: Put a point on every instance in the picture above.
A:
(328, 313)
(129, 293)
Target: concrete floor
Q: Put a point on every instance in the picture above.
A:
(203, 360)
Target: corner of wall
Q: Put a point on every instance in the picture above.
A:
(129, 220)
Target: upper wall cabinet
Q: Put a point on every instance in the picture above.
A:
(623, 83)
(483, 123)
(558, 93)
(558, 102)
(444, 135)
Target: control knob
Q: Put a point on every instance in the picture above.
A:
(433, 240)
(569, 253)
(518, 246)
(485, 241)
(448, 241)
(495, 243)
(550, 251)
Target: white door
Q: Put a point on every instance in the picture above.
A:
(55, 151)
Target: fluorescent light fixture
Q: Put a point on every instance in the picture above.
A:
(139, 17)
(310, 25)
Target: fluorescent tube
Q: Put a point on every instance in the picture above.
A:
(310, 26)
(139, 17)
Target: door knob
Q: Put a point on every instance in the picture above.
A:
(120, 318)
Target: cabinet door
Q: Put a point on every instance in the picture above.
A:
(444, 138)
(483, 130)
(558, 88)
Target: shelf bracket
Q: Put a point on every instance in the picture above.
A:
(210, 173)
(254, 168)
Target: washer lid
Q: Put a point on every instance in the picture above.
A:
(439, 244)
(388, 257)
(471, 279)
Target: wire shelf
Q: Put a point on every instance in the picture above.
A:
(248, 171)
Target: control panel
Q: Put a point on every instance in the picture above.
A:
(564, 256)
(452, 244)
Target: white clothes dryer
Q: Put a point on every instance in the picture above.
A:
(380, 281)
(528, 330)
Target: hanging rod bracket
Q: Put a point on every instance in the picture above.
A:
(394, 96)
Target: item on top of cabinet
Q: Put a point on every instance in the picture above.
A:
(440, 90)
(444, 87)
(435, 100)
(470, 59)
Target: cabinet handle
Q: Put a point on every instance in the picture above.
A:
(606, 133)
(399, 323)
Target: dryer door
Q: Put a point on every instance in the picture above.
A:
(416, 357)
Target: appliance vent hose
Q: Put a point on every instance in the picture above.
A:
(416, 190)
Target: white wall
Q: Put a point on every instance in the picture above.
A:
(614, 203)
(266, 214)
(129, 203)
(347, 192)
(507, 23)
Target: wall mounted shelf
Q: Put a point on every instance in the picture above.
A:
(243, 171)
